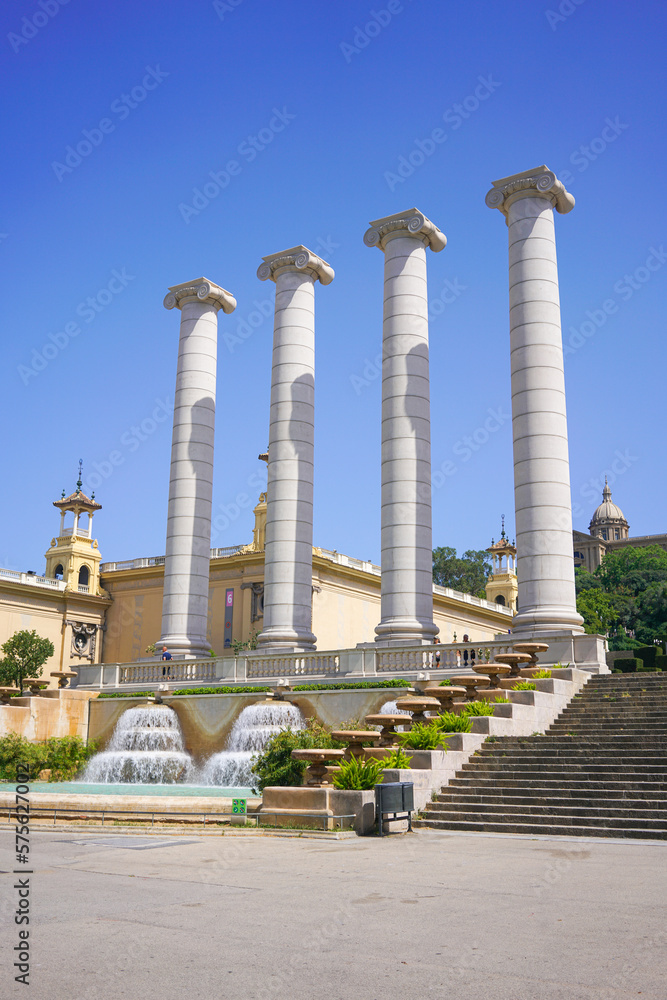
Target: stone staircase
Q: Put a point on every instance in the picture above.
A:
(600, 770)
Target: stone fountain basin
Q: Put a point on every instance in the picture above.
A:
(417, 704)
(390, 719)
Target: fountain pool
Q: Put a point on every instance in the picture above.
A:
(146, 748)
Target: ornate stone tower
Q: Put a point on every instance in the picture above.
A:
(502, 586)
(608, 521)
(74, 555)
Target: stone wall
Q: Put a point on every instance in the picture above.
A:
(63, 712)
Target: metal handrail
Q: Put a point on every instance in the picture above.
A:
(157, 812)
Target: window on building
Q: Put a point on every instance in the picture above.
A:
(604, 534)
(83, 576)
(500, 599)
(617, 533)
(59, 572)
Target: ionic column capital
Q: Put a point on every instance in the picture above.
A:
(412, 223)
(540, 182)
(200, 290)
(295, 259)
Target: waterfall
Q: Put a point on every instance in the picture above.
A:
(232, 768)
(146, 748)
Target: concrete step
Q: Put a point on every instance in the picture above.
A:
(573, 818)
(575, 796)
(492, 770)
(513, 809)
(548, 828)
(563, 782)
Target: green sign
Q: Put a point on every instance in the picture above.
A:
(239, 807)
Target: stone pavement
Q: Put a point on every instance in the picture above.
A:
(184, 917)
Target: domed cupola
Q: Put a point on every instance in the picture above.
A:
(608, 521)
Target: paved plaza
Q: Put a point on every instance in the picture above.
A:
(255, 917)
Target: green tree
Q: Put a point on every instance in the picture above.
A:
(597, 610)
(467, 573)
(632, 569)
(25, 655)
(586, 581)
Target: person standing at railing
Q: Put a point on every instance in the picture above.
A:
(166, 655)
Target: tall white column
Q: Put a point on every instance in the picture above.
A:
(406, 538)
(288, 556)
(186, 567)
(547, 601)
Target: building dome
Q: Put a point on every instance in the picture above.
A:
(608, 521)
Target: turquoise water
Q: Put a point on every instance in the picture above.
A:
(83, 788)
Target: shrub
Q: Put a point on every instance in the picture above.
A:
(627, 664)
(395, 682)
(422, 736)
(501, 701)
(647, 655)
(661, 661)
(449, 722)
(65, 756)
(274, 766)
(446, 683)
(357, 774)
(541, 675)
(524, 686)
(396, 759)
(478, 708)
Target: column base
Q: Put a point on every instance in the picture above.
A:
(569, 649)
(192, 648)
(405, 632)
(277, 639)
(547, 621)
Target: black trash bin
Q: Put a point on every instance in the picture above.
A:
(396, 797)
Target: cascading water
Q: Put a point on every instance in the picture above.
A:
(146, 748)
(232, 768)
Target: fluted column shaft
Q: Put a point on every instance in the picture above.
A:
(543, 507)
(187, 558)
(288, 555)
(406, 614)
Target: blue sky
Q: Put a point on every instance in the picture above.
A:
(169, 94)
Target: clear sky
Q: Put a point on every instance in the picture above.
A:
(116, 114)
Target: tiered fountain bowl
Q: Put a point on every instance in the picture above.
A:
(355, 738)
(35, 684)
(6, 693)
(64, 676)
(449, 695)
(317, 772)
(532, 649)
(418, 706)
(493, 671)
(514, 661)
(473, 684)
(388, 721)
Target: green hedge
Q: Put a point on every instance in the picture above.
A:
(627, 664)
(647, 654)
(661, 661)
(395, 682)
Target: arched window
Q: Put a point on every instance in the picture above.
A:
(59, 571)
(83, 576)
(500, 599)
